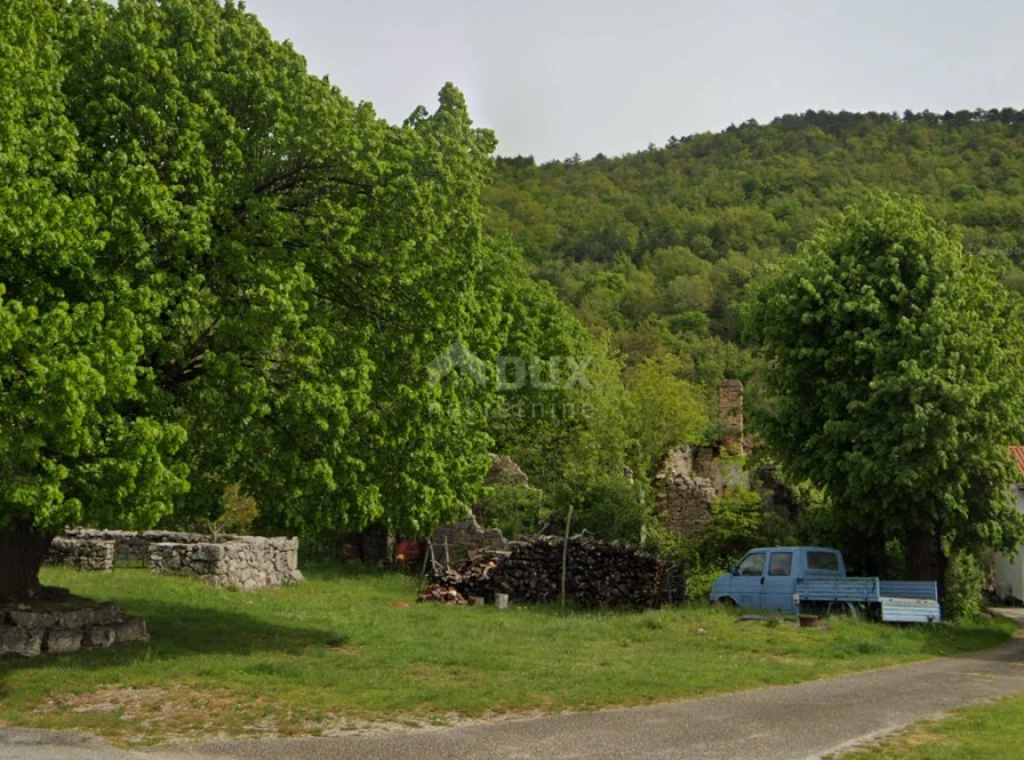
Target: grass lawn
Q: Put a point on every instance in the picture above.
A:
(350, 647)
(988, 732)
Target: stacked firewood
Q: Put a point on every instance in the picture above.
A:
(598, 574)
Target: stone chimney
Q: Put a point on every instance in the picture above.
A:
(730, 416)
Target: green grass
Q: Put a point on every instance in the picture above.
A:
(988, 732)
(348, 647)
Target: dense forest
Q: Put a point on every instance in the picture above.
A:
(655, 249)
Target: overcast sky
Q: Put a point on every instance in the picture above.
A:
(557, 77)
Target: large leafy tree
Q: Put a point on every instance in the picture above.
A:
(898, 378)
(219, 270)
(75, 441)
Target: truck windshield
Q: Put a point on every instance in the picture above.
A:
(823, 561)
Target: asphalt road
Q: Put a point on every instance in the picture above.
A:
(808, 720)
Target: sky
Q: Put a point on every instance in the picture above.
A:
(554, 78)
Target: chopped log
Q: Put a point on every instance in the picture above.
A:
(444, 594)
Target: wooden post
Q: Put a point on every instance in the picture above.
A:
(433, 557)
(447, 558)
(565, 553)
(423, 570)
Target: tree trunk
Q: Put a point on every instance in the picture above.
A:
(22, 551)
(926, 561)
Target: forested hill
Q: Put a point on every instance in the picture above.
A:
(655, 248)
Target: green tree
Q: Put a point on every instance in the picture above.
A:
(665, 411)
(896, 371)
(74, 442)
(218, 270)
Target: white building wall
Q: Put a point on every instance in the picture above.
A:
(1010, 571)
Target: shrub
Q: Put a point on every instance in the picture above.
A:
(965, 581)
(699, 578)
(607, 507)
(739, 522)
(514, 510)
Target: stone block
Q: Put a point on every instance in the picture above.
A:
(99, 637)
(22, 642)
(62, 641)
(29, 618)
(131, 629)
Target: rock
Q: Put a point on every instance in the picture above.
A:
(505, 472)
(99, 637)
(23, 642)
(29, 618)
(63, 641)
(75, 618)
(131, 629)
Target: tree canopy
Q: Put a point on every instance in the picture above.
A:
(655, 249)
(895, 366)
(217, 271)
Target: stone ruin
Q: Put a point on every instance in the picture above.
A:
(377, 544)
(684, 496)
(691, 478)
(65, 625)
(244, 563)
(730, 416)
(455, 543)
(505, 472)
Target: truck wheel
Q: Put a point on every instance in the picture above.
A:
(725, 603)
(844, 610)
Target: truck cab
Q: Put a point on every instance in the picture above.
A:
(766, 578)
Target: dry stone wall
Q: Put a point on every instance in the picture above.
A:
(82, 553)
(132, 548)
(239, 562)
(29, 630)
(243, 563)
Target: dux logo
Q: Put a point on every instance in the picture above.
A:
(458, 357)
(511, 373)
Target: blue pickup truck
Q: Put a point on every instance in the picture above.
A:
(813, 580)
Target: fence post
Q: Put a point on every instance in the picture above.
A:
(565, 553)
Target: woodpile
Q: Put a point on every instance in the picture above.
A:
(438, 593)
(598, 574)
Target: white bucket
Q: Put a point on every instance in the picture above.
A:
(501, 601)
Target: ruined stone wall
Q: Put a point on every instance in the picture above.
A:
(240, 562)
(82, 553)
(505, 472)
(462, 538)
(29, 630)
(132, 548)
(243, 563)
(730, 411)
(684, 498)
(688, 482)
